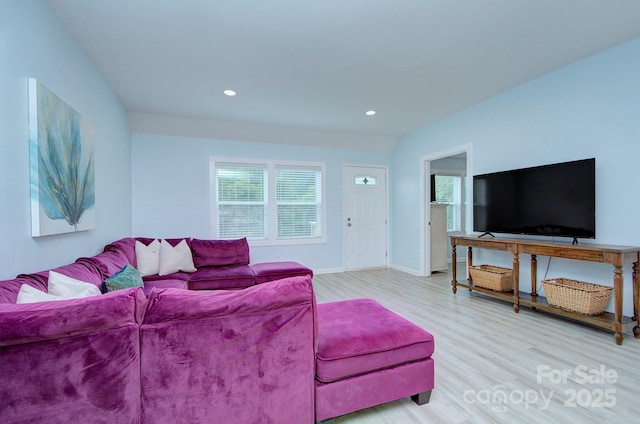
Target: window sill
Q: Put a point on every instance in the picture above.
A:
(288, 242)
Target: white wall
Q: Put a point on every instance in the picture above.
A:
(34, 44)
(171, 190)
(449, 163)
(588, 109)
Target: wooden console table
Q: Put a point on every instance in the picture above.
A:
(618, 256)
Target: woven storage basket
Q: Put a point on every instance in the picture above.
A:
(577, 296)
(492, 277)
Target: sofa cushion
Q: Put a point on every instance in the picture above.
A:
(67, 287)
(126, 278)
(167, 283)
(175, 258)
(9, 289)
(360, 336)
(29, 294)
(148, 257)
(83, 271)
(269, 271)
(171, 241)
(80, 271)
(108, 262)
(229, 356)
(220, 252)
(125, 246)
(184, 276)
(72, 361)
(34, 322)
(223, 277)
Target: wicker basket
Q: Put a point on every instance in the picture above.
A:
(492, 277)
(577, 296)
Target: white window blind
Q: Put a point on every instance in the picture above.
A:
(298, 202)
(448, 191)
(268, 202)
(242, 201)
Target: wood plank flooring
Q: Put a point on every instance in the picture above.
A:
(493, 365)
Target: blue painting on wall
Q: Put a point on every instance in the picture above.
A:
(61, 165)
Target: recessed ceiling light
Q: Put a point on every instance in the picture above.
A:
(370, 112)
(229, 93)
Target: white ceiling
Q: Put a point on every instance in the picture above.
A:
(320, 64)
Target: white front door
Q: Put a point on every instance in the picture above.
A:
(365, 217)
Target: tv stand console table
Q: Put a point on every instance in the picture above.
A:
(618, 256)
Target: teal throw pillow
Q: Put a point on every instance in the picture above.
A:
(125, 278)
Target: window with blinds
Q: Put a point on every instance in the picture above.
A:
(448, 190)
(242, 203)
(298, 202)
(273, 202)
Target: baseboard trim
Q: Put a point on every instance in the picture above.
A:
(406, 270)
(328, 271)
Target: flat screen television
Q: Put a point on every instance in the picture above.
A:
(549, 200)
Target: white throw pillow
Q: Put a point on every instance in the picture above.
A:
(28, 294)
(174, 259)
(148, 258)
(69, 288)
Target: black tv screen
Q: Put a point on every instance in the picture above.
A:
(549, 200)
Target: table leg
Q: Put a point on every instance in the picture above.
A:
(454, 274)
(534, 276)
(636, 299)
(617, 303)
(516, 282)
(469, 264)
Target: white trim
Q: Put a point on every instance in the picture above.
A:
(406, 270)
(344, 212)
(328, 271)
(425, 193)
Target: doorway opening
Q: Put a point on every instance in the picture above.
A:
(446, 206)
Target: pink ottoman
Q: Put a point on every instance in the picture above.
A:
(368, 355)
(270, 271)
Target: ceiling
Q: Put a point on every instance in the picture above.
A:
(321, 64)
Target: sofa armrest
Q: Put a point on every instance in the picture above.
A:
(34, 322)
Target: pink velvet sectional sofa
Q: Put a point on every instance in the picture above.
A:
(220, 264)
(211, 345)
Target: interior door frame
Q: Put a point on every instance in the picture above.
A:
(425, 193)
(344, 209)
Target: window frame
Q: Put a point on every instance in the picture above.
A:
(462, 175)
(263, 203)
(272, 238)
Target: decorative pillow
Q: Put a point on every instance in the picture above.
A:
(148, 257)
(125, 278)
(69, 288)
(28, 294)
(175, 259)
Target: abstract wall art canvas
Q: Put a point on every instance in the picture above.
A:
(61, 164)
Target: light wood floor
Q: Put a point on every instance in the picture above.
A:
(484, 349)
